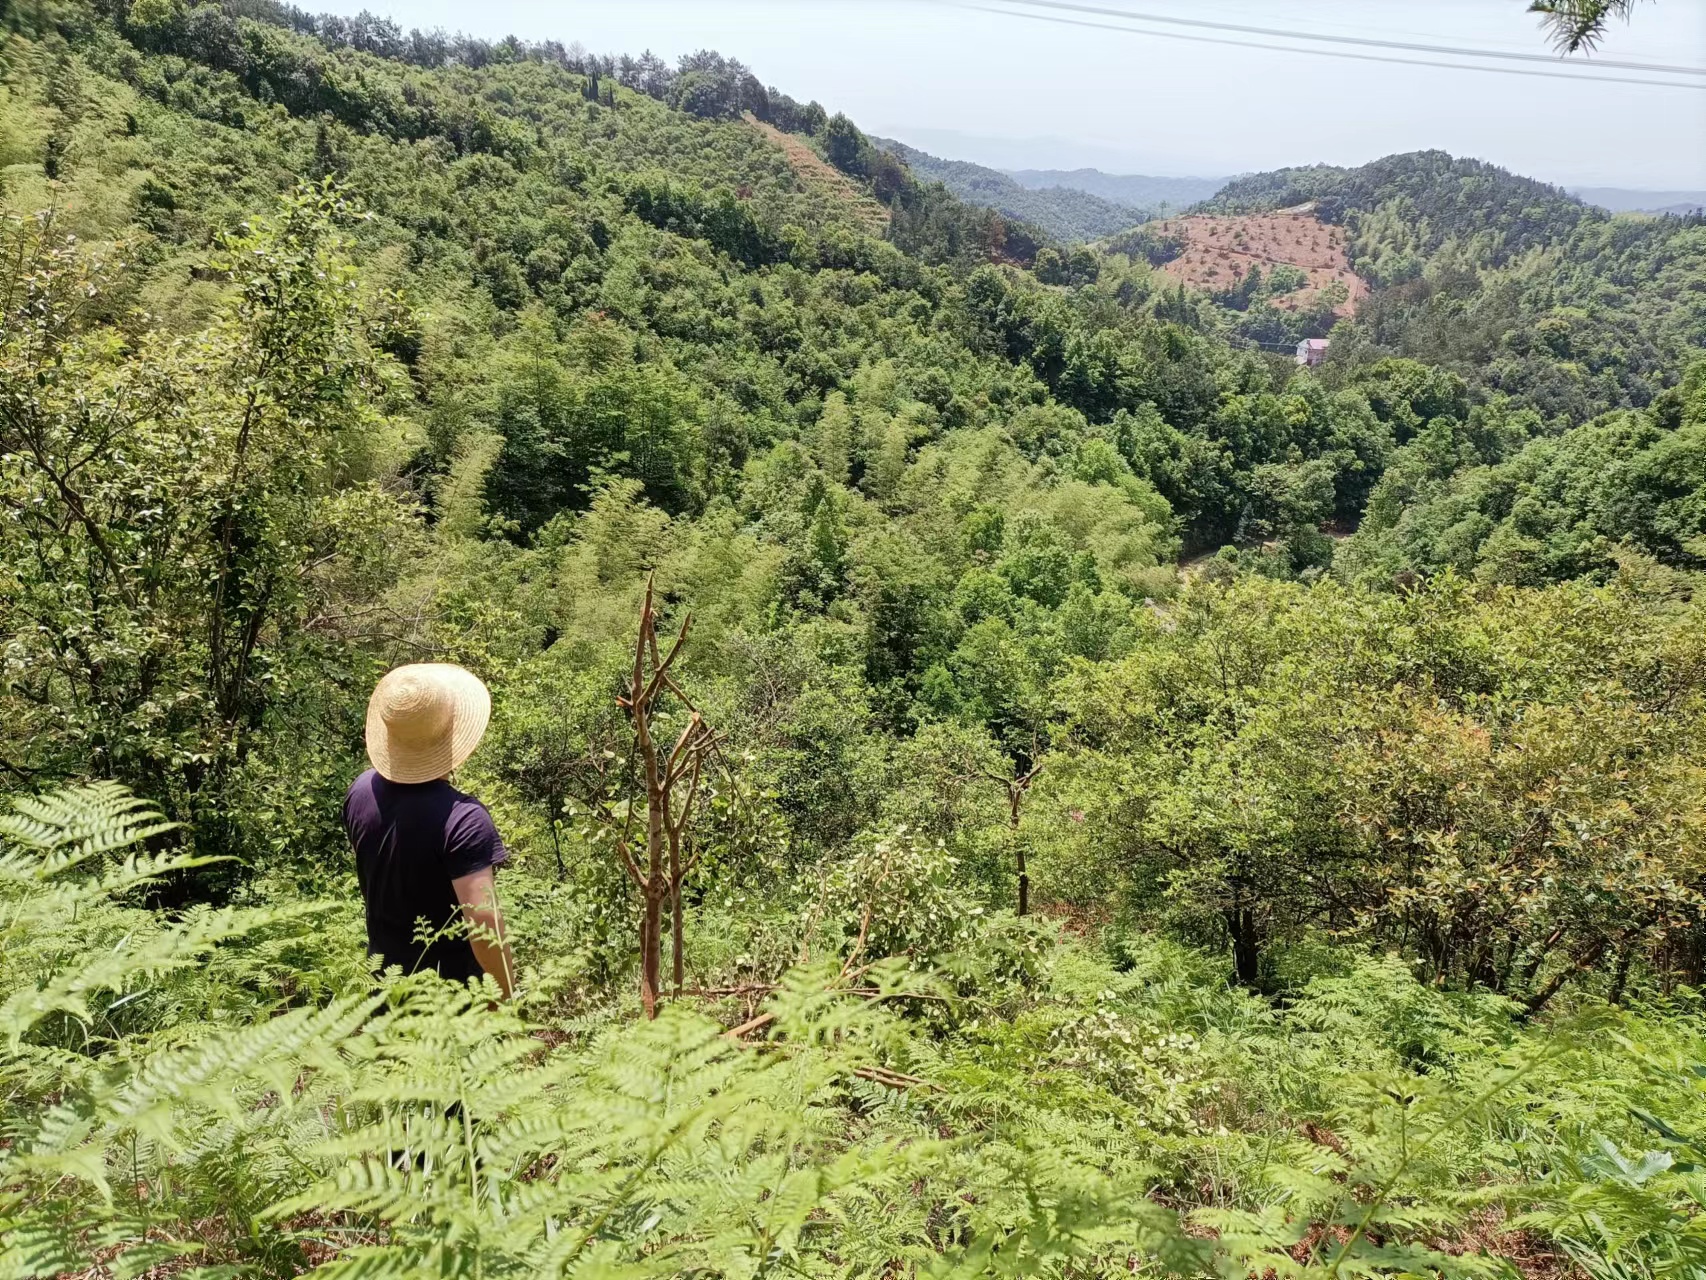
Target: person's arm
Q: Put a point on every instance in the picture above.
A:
(478, 894)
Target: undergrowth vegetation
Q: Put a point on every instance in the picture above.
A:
(963, 1112)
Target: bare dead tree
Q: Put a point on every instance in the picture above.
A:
(1017, 786)
(670, 779)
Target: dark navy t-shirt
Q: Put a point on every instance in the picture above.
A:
(411, 840)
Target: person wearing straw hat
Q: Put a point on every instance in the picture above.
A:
(425, 852)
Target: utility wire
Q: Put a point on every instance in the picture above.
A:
(1453, 50)
(1323, 53)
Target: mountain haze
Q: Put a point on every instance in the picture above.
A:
(1623, 200)
(1137, 191)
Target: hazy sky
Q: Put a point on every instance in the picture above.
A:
(1013, 91)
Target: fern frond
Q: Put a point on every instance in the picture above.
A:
(121, 967)
(150, 1254)
(270, 1054)
(41, 1246)
(75, 823)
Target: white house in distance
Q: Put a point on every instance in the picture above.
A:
(1312, 351)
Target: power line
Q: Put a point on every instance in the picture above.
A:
(1452, 50)
(1321, 53)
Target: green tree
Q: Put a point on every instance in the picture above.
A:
(1576, 25)
(186, 512)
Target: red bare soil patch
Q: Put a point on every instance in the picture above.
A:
(1221, 250)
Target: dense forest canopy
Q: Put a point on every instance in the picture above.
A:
(1157, 807)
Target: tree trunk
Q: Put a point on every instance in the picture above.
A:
(651, 928)
(1016, 789)
(557, 803)
(1584, 960)
(1481, 970)
(1246, 958)
(678, 964)
(1620, 975)
(651, 931)
(659, 872)
(1531, 970)
(1509, 963)
(1246, 952)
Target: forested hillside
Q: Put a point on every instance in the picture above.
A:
(1510, 283)
(1132, 804)
(1062, 211)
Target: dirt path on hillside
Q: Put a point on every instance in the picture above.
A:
(814, 171)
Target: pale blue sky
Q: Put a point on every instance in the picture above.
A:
(1017, 92)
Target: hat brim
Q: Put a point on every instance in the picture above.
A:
(471, 712)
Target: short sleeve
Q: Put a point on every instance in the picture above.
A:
(472, 842)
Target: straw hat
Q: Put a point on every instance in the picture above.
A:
(424, 720)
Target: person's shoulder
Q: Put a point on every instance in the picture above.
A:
(470, 819)
(362, 785)
(465, 806)
(469, 825)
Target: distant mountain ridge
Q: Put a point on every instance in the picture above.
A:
(1624, 200)
(1135, 190)
(1064, 212)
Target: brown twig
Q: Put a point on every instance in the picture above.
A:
(749, 1026)
(892, 1079)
